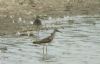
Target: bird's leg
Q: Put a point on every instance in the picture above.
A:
(43, 51)
(46, 51)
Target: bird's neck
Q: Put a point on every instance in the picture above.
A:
(53, 34)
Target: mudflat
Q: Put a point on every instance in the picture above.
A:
(14, 11)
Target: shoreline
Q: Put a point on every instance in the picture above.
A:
(13, 12)
(7, 28)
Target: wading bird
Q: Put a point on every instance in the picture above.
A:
(46, 40)
(37, 25)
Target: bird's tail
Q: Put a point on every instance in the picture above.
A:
(36, 42)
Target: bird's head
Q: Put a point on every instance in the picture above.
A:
(56, 30)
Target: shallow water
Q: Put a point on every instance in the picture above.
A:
(79, 43)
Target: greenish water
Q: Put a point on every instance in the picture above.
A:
(79, 43)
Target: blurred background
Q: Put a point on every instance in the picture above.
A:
(78, 20)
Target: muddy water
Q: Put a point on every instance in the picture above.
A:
(79, 43)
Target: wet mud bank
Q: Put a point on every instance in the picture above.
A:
(18, 15)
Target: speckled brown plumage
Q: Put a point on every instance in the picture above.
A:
(47, 39)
